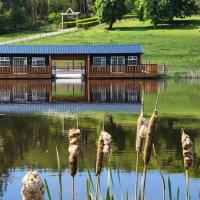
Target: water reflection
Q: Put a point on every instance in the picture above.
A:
(33, 140)
(75, 90)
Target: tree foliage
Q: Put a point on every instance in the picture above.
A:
(110, 11)
(161, 10)
(16, 14)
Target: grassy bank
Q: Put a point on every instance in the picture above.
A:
(26, 33)
(176, 45)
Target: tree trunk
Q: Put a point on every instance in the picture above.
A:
(110, 25)
(171, 20)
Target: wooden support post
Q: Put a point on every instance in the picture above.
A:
(87, 90)
(88, 66)
(50, 65)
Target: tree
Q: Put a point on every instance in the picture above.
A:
(109, 11)
(159, 11)
(129, 5)
(152, 11)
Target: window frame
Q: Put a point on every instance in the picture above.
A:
(102, 61)
(26, 61)
(5, 59)
(35, 59)
(133, 59)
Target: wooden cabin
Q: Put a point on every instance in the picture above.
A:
(93, 61)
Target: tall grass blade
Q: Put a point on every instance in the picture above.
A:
(90, 178)
(108, 193)
(178, 194)
(111, 176)
(127, 195)
(170, 189)
(88, 187)
(47, 188)
(161, 172)
(119, 178)
(59, 174)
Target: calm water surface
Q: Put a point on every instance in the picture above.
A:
(28, 141)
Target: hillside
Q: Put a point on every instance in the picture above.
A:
(177, 46)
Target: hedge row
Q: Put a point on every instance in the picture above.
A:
(71, 24)
(128, 16)
(86, 25)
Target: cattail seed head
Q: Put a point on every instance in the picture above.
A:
(75, 140)
(141, 130)
(187, 146)
(32, 187)
(151, 133)
(104, 148)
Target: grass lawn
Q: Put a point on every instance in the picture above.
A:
(22, 34)
(177, 46)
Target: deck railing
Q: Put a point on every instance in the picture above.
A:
(25, 69)
(142, 68)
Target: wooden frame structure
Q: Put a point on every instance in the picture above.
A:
(69, 12)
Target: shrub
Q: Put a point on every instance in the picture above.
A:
(82, 23)
(54, 18)
(70, 24)
(86, 25)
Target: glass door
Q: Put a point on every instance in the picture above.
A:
(19, 64)
(118, 64)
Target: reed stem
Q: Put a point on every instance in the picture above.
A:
(161, 172)
(97, 188)
(136, 174)
(77, 121)
(142, 99)
(157, 99)
(187, 185)
(144, 181)
(72, 187)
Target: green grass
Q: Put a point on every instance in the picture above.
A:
(177, 45)
(25, 33)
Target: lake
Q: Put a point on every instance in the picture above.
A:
(37, 114)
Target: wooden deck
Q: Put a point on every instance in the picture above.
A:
(135, 71)
(14, 72)
(46, 72)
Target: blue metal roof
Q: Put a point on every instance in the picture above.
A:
(72, 49)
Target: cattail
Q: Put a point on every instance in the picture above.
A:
(32, 187)
(104, 148)
(140, 135)
(74, 149)
(150, 137)
(142, 124)
(151, 132)
(187, 145)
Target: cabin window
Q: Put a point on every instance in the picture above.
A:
(99, 61)
(4, 61)
(118, 60)
(38, 61)
(19, 61)
(132, 60)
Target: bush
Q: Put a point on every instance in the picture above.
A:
(130, 16)
(54, 18)
(86, 25)
(87, 20)
(69, 24)
(82, 23)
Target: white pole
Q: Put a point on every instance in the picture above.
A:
(62, 22)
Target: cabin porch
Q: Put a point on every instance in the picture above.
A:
(126, 71)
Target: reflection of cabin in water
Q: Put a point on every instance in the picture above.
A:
(113, 91)
(93, 61)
